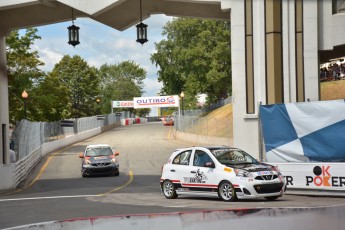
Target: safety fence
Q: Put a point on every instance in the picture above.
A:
(28, 136)
(206, 126)
(193, 121)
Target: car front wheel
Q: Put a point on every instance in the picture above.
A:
(169, 190)
(226, 191)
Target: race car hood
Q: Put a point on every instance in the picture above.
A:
(253, 167)
(100, 159)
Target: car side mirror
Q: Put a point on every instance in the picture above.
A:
(81, 155)
(116, 153)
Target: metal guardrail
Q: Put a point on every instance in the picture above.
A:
(28, 136)
(25, 165)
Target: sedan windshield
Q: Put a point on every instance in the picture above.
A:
(230, 157)
(98, 151)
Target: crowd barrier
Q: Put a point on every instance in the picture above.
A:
(131, 121)
(258, 219)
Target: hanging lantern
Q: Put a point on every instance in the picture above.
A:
(141, 33)
(141, 29)
(73, 33)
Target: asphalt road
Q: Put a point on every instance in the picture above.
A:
(59, 192)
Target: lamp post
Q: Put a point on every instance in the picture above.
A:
(182, 96)
(25, 96)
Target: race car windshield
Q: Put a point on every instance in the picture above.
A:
(99, 151)
(233, 156)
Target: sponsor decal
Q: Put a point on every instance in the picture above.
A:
(323, 177)
(100, 158)
(123, 104)
(199, 177)
(227, 169)
(262, 173)
(161, 101)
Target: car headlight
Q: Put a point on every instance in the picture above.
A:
(87, 162)
(114, 161)
(276, 168)
(242, 173)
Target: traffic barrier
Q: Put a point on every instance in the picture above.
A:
(258, 219)
(137, 120)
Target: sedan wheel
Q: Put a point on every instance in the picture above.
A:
(169, 190)
(226, 191)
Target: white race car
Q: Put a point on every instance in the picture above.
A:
(227, 172)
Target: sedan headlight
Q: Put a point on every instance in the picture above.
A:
(242, 173)
(114, 161)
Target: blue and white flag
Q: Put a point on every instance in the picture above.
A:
(303, 132)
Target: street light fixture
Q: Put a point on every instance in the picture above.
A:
(182, 96)
(73, 33)
(25, 96)
(141, 29)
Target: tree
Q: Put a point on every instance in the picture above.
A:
(121, 82)
(52, 99)
(80, 86)
(22, 70)
(195, 58)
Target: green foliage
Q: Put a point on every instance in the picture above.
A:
(195, 58)
(76, 88)
(23, 72)
(120, 82)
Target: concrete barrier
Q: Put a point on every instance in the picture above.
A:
(258, 219)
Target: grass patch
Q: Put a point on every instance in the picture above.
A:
(217, 123)
(332, 90)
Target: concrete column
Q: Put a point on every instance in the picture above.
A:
(4, 117)
(311, 45)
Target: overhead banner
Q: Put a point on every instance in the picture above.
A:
(304, 132)
(123, 104)
(159, 101)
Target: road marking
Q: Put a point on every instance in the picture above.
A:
(75, 196)
(169, 133)
(45, 166)
(118, 188)
(47, 197)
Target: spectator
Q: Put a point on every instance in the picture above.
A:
(13, 157)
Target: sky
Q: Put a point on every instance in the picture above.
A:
(100, 44)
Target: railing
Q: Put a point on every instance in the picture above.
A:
(28, 136)
(193, 122)
(206, 126)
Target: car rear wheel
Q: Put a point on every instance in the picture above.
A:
(226, 191)
(272, 197)
(169, 190)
